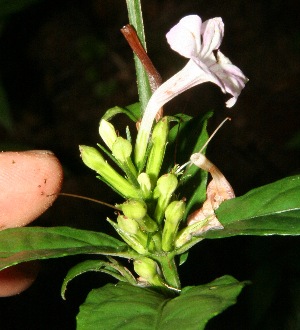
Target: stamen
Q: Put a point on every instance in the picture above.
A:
(179, 169)
(214, 133)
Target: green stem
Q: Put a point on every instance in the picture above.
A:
(136, 20)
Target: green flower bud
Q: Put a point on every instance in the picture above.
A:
(145, 184)
(128, 225)
(148, 270)
(133, 240)
(137, 229)
(121, 149)
(174, 214)
(135, 209)
(93, 159)
(148, 225)
(107, 133)
(165, 187)
(140, 148)
(159, 143)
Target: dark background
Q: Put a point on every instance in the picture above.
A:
(63, 63)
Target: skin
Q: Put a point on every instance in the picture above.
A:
(30, 182)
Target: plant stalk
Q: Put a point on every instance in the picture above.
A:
(136, 20)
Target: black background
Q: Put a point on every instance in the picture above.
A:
(63, 63)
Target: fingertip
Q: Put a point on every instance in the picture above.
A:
(30, 182)
(16, 279)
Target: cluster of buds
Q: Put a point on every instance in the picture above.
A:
(151, 220)
(148, 220)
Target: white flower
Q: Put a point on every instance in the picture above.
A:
(200, 43)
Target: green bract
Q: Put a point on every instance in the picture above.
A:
(159, 141)
(94, 160)
(173, 215)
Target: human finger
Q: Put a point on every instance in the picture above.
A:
(30, 182)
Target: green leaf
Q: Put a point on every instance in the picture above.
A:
(188, 137)
(124, 306)
(114, 269)
(273, 209)
(30, 243)
(183, 258)
(132, 111)
(185, 139)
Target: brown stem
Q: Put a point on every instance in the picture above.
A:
(133, 40)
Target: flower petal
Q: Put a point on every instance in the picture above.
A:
(184, 37)
(212, 32)
(232, 77)
(231, 102)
